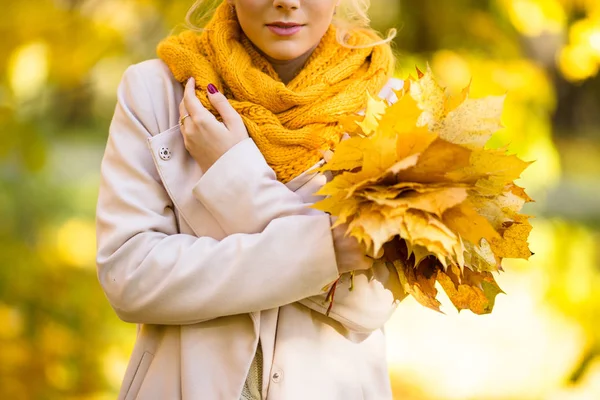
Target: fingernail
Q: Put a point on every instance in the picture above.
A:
(212, 89)
(190, 79)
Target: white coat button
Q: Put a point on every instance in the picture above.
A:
(164, 153)
(277, 376)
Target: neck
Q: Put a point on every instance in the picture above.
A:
(288, 69)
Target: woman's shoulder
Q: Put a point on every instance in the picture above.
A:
(153, 73)
(152, 92)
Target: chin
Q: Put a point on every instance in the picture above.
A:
(284, 52)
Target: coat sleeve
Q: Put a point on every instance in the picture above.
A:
(368, 306)
(150, 273)
(364, 309)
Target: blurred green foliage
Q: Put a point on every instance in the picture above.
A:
(61, 61)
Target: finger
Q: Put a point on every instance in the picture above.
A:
(230, 116)
(182, 111)
(198, 113)
(182, 108)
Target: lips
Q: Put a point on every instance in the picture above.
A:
(284, 28)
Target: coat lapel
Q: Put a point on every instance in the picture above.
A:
(179, 173)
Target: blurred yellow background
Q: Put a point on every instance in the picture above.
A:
(60, 63)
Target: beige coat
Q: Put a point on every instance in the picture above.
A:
(209, 262)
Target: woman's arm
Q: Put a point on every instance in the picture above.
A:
(364, 309)
(152, 274)
(243, 204)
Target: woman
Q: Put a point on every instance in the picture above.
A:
(205, 237)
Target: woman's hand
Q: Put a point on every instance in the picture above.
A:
(204, 136)
(348, 251)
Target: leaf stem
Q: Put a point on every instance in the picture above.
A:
(331, 296)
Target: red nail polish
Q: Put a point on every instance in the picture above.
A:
(212, 89)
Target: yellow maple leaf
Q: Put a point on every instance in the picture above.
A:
(379, 154)
(464, 220)
(434, 201)
(435, 162)
(460, 120)
(513, 242)
(520, 193)
(348, 155)
(420, 190)
(430, 98)
(375, 109)
(419, 282)
(377, 192)
(377, 225)
(423, 229)
(401, 116)
(341, 182)
(382, 224)
(339, 205)
(368, 178)
(412, 142)
(490, 163)
(473, 122)
(475, 291)
(490, 171)
(481, 257)
(500, 209)
(424, 187)
(452, 102)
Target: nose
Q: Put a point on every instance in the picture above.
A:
(287, 4)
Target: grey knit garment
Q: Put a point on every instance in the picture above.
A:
(253, 385)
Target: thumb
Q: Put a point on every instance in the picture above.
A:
(231, 118)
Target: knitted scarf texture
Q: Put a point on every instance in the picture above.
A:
(291, 124)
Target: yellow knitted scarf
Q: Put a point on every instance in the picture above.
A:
(291, 124)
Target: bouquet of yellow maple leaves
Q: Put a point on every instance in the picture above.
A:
(419, 190)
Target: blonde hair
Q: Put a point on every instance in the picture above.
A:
(350, 15)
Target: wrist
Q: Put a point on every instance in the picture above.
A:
(204, 164)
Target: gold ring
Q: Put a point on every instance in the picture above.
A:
(182, 118)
